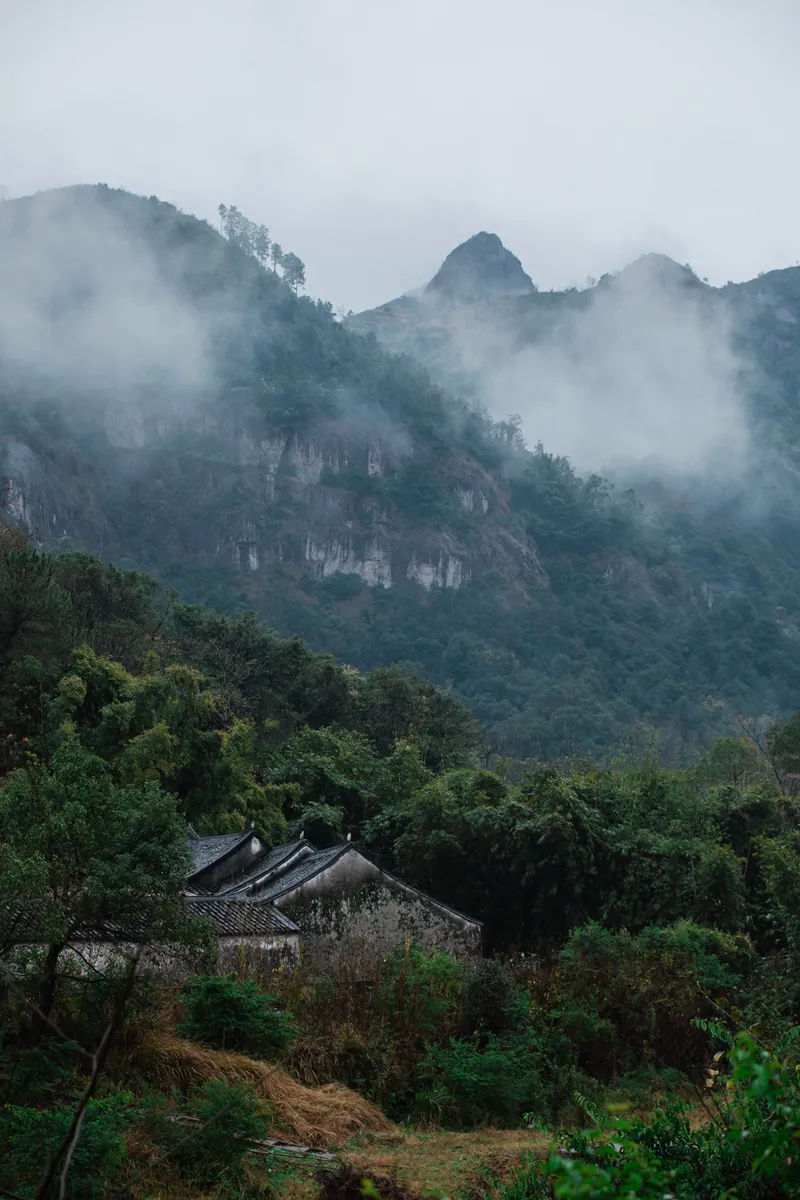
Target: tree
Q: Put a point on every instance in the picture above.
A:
(82, 856)
(276, 255)
(783, 744)
(294, 271)
(35, 632)
(165, 725)
(395, 706)
(261, 244)
(31, 603)
(334, 768)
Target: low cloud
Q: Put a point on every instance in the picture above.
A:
(91, 311)
(639, 373)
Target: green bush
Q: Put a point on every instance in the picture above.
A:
(423, 991)
(28, 1135)
(628, 1001)
(467, 1085)
(34, 1069)
(747, 1149)
(229, 1014)
(492, 1003)
(525, 1182)
(227, 1117)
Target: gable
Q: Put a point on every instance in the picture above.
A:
(343, 871)
(242, 867)
(206, 850)
(222, 857)
(358, 926)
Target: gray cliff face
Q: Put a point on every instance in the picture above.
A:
(167, 402)
(307, 505)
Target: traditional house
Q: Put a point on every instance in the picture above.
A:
(334, 902)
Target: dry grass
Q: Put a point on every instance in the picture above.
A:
(323, 1117)
(445, 1163)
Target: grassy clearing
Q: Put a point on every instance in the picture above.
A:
(444, 1163)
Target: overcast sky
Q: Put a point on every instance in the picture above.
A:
(374, 135)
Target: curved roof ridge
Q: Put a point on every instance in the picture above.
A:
(212, 848)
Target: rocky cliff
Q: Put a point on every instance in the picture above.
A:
(213, 463)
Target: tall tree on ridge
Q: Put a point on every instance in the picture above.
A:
(294, 271)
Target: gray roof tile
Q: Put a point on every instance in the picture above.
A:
(268, 862)
(302, 872)
(206, 850)
(230, 917)
(241, 918)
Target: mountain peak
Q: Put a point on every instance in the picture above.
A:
(658, 268)
(481, 268)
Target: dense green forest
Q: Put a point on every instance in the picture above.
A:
(642, 919)
(241, 444)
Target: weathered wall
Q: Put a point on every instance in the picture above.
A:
(253, 955)
(242, 955)
(354, 910)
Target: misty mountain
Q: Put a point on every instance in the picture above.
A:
(479, 269)
(171, 404)
(648, 370)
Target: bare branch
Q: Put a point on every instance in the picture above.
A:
(66, 1150)
(17, 990)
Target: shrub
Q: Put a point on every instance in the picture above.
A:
(28, 1135)
(228, 1116)
(627, 1001)
(467, 1085)
(228, 1014)
(525, 1182)
(492, 1003)
(747, 1149)
(424, 990)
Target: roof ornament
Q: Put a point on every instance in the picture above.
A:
(349, 837)
(302, 834)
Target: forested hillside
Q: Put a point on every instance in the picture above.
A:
(637, 917)
(169, 402)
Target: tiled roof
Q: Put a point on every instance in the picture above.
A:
(242, 918)
(268, 862)
(231, 918)
(206, 850)
(302, 872)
